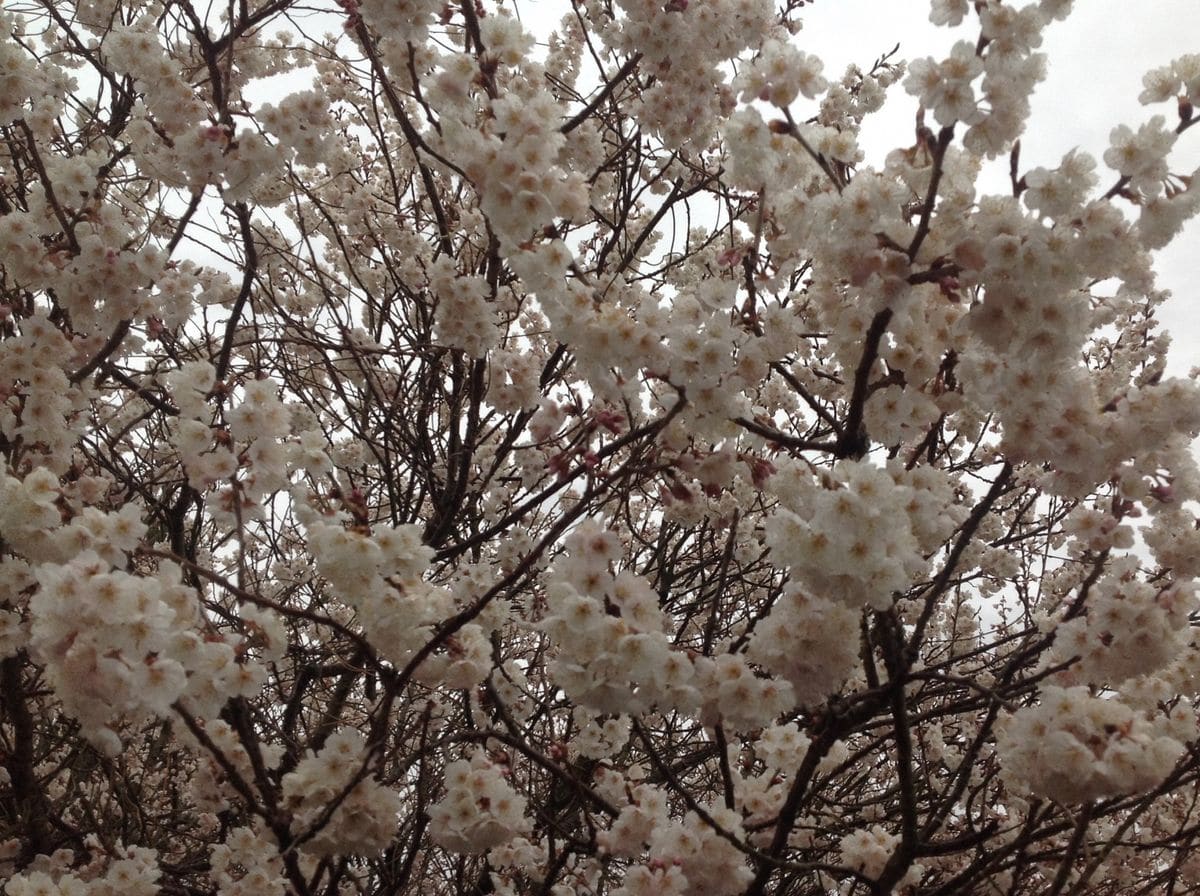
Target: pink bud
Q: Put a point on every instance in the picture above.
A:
(1164, 492)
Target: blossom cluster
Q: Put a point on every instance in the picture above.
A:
(380, 575)
(1181, 78)
(116, 645)
(583, 465)
(780, 73)
(1131, 628)
(867, 851)
(480, 809)
(1141, 156)
(810, 642)
(514, 162)
(205, 461)
(301, 122)
(688, 855)
(138, 51)
(1074, 747)
(685, 48)
(177, 146)
(1006, 59)
(466, 319)
(131, 870)
(613, 654)
(862, 537)
(1165, 207)
(335, 809)
(247, 864)
(24, 81)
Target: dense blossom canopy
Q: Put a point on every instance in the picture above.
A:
(443, 460)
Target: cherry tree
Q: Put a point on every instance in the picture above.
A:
(438, 460)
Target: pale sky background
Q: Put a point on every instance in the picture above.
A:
(1096, 59)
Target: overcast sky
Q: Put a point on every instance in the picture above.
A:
(1096, 61)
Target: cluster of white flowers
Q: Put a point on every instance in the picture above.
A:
(356, 564)
(261, 423)
(514, 162)
(1162, 217)
(764, 156)
(702, 358)
(28, 508)
(169, 99)
(247, 864)
(254, 440)
(1181, 78)
(175, 144)
(781, 747)
(599, 736)
(480, 809)
(896, 415)
(644, 808)
(1073, 747)
(107, 280)
(1141, 156)
(779, 74)
(520, 392)
(1095, 530)
(40, 404)
(946, 87)
(867, 850)
(113, 644)
(467, 660)
(23, 253)
(1175, 541)
(1061, 192)
(21, 79)
(1130, 628)
(1037, 305)
(736, 696)
(210, 788)
(1006, 60)
(852, 542)
(613, 654)
(1011, 71)
(204, 462)
(175, 293)
(380, 576)
(624, 333)
(466, 317)
(347, 820)
(243, 164)
(869, 205)
(809, 641)
(687, 855)
(405, 21)
(1163, 211)
(301, 122)
(684, 46)
(615, 663)
(130, 871)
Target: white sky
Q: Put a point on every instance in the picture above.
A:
(1096, 59)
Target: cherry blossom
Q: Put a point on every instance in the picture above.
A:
(463, 448)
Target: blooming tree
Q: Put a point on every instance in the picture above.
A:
(438, 461)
